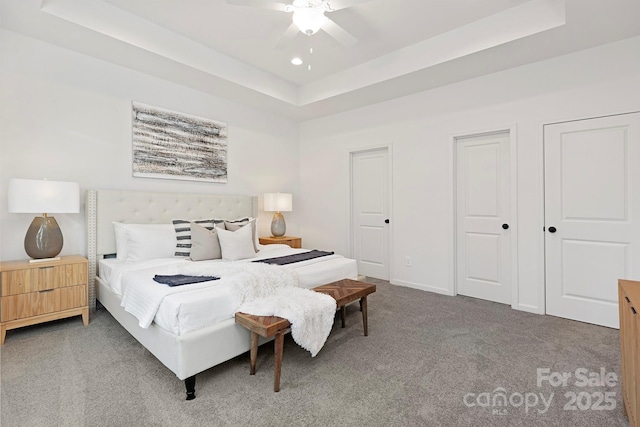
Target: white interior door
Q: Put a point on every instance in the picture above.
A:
(592, 215)
(370, 209)
(483, 263)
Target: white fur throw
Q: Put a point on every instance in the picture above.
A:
(249, 280)
(310, 313)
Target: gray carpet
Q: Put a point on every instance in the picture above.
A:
(424, 354)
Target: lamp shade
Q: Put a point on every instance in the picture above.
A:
(42, 196)
(278, 202)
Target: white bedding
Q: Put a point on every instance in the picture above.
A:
(202, 306)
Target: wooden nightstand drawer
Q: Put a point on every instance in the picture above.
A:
(42, 278)
(43, 302)
(294, 242)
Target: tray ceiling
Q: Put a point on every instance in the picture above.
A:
(403, 46)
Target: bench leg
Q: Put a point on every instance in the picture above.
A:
(365, 320)
(343, 314)
(253, 353)
(278, 345)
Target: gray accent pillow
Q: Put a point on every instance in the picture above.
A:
(205, 243)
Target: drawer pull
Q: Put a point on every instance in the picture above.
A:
(627, 298)
(634, 310)
(49, 290)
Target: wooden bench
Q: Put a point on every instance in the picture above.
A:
(343, 291)
(266, 326)
(347, 291)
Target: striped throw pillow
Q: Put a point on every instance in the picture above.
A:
(183, 233)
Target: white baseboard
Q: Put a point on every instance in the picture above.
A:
(420, 286)
(444, 291)
(528, 308)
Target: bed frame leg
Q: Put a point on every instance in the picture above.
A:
(190, 384)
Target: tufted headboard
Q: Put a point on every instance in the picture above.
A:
(103, 207)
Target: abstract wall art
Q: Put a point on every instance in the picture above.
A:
(172, 145)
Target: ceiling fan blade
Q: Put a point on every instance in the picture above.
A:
(263, 4)
(287, 37)
(339, 33)
(343, 4)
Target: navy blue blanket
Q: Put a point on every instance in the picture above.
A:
(290, 259)
(181, 279)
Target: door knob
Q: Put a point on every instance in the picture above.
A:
(386, 221)
(505, 226)
(552, 230)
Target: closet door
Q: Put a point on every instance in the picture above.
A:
(592, 215)
(483, 186)
(370, 212)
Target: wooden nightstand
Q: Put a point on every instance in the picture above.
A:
(294, 242)
(39, 292)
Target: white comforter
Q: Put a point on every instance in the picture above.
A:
(247, 281)
(256, 288)
(200, 305)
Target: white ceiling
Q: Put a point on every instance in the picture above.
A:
(249, 34)
(403, 46)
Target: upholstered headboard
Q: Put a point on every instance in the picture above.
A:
(103, 207)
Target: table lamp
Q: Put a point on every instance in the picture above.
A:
(278, 202)
(44, 238)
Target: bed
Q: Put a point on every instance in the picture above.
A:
(186, 350)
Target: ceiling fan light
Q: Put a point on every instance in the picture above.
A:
(309, 20)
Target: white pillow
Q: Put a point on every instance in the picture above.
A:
(145, 243)
(233, 225)
(236, 244)
(121, 240)
(140, 242)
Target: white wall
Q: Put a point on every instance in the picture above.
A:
(419, 128)
(66, 116)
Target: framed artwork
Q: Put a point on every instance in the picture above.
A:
(172, 145)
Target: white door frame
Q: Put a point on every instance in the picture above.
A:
(513, 194)
(350, 227)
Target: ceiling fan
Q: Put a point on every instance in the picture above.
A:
(308, 17)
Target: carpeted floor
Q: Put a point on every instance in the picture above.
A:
(429, 360)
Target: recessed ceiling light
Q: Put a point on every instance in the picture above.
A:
(296, 61)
